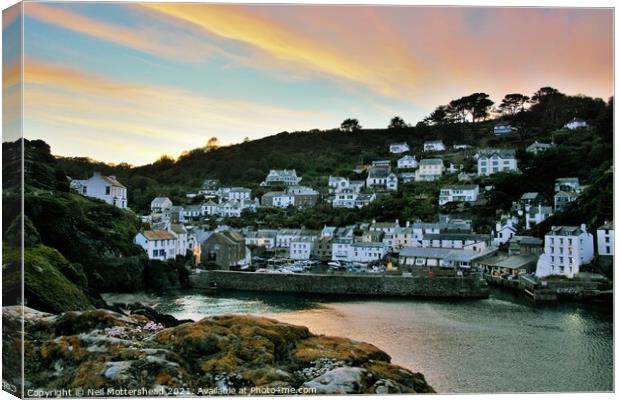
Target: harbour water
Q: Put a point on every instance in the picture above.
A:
(500, 344)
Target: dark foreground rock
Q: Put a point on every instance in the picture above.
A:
(231, 354)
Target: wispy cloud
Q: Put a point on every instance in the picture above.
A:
(150, 120)
(144, 36)
(379, 63)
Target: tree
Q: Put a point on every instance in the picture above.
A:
(397, 123)
(513, 103)
(439, 116)
(479, 105)
(548, 106)
(457, 109)
(213, 143)
(350, 125)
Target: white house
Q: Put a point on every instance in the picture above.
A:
(301, 248)
(381, 178)
(262, 238)
(491, 161)
(158, 244)
(537, 148)
(345, 199)
(467, 241)
(434, 145)
(341, 248)
(502, 128)
(562, 199)
(397, 148)
(183, 244)
(364, 199)
(193, 211)
(382, 164)
(239, 194)
(430, 169)
(385, 227)
(278, 199)
(285, 177)
(575, 123)
(605, 239)
(505, 229)
(458, 193)
(566, 249)
(407, 162)
(285, 236)
(160, 205)
(364, 252)
(337, 184)
(208, 208)
(101, 187)
(231, 208)
(536, 214)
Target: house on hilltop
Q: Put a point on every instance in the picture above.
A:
(101, 187)
(382, 179)
(398, 148)
(160, 204)
(502, 128)
(407, 162)
(434, 145)
(285, 177)
(491, 161)
(458, 193)
(575, 123)
(537, 148)
(430, 169)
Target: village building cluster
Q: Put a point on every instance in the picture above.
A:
(176, 230)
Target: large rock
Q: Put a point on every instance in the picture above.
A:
(231, 354)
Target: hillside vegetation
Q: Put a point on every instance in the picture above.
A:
(75, 247)
(585, 153)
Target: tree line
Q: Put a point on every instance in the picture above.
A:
(546, 109)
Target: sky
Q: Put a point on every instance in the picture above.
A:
(129, 82)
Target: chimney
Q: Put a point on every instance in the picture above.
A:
(113, 177)
(583, 228)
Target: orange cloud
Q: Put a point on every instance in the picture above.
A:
(170, 44)
(62, 104)
(372, 63)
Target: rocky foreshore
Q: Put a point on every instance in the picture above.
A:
(102, 352)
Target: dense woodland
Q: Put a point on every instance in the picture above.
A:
(78, 247)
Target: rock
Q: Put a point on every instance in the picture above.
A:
(343, 380)
(231, 354)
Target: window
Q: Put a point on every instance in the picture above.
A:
(107, 190)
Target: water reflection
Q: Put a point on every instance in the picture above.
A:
(503, 343)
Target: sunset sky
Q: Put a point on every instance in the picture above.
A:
(130, 82)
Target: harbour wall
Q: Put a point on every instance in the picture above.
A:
(375, 285)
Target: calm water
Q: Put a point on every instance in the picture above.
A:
(502, 344)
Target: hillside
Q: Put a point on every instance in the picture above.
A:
(314, 154)
(75, 247)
